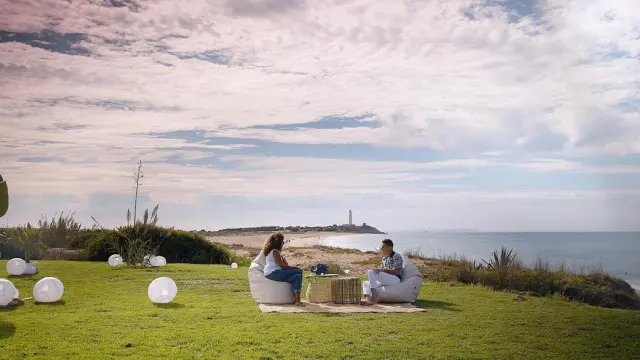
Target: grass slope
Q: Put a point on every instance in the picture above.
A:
(106, 314)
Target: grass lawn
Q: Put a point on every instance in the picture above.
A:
(106, 314)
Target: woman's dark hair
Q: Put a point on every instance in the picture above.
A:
(387, 242)
(274, 242)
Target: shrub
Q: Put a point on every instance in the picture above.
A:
(543, 283)
(26, 239)
(468, 272)
(505, 272)
(59, 232)
(185, 247)
(135, 242)
(9, 250)
(601, 290)
(175, 245)
(99, 245)
(83, 239)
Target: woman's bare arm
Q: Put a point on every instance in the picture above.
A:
(280, 261)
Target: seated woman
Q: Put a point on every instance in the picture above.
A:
(277, 268)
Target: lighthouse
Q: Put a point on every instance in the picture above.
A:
(350, 218)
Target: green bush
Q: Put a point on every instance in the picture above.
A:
(22, 242)
(185, 247)
(505, 272)
(99, 245)
(469, 272)
(176, 246)
(543, 283)
(60, 231)
(84, 238)
(594, 289)
(9, 250)
(601, 290)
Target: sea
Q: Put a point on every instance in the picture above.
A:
(617, 253)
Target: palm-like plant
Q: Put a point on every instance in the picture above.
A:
(501, 263)
(27, 238)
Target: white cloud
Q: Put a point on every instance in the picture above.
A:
(440, 79)
(251, 176)
(551, 165)
(458, 76)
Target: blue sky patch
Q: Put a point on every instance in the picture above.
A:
(48, 40)
(328, 122)
(213, 56)
(367, 152)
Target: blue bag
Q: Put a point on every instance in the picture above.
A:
(321, 269)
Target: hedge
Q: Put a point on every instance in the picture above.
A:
(176, 246)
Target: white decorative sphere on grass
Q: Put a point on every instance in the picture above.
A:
(115, 260)
(234, 266)
(31, 269)
(7, 291)
(158, 261)
(147, 261)
(162, 290)
(48, 290)
(16, 266)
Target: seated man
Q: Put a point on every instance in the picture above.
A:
(387, 274)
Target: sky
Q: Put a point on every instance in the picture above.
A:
(500, 115)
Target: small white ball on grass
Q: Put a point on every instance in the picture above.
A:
(48, 290)
(31, 269)
(16, 266)
(234, 266)
(147, 261)
(158, 261)
(115, 260)
(7, 292)
(162, 290)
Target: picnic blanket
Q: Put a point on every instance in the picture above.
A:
(341, 308)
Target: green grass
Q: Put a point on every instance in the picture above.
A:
(106, 314)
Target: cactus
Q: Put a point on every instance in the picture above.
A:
(4, 197)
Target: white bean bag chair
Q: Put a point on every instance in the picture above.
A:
(265, 291)
(407, 290)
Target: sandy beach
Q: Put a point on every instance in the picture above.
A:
(303, 250)
(255, 240)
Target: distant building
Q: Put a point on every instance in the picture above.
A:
(350, 217)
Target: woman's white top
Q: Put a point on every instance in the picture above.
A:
(271, 265)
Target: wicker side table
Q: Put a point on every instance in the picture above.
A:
(346, 290)
(319, 288)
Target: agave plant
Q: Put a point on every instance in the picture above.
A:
(501, 263)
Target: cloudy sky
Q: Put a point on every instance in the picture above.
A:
(488, 114)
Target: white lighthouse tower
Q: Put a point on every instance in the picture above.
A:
(350, 218)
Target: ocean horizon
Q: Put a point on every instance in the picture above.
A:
(616, 253)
